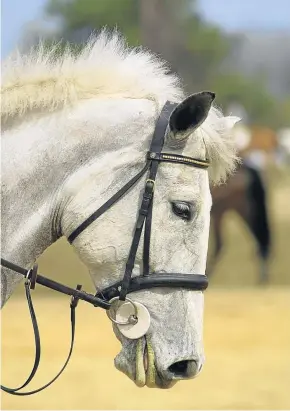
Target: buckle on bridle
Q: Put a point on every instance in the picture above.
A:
(150, 185)
(31, 276)
(75, 299)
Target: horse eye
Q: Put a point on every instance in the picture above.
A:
(182, 209)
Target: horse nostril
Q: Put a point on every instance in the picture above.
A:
(179, 369)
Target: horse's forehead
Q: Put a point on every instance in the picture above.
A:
(182, 177)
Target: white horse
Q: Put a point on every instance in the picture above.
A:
(75, 130)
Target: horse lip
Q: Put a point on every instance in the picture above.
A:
(160, 382)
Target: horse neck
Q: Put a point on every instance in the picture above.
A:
(34, 164)
(39, 156)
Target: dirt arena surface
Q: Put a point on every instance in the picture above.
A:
(246, 334)
(247, 343)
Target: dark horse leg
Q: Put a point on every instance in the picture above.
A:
(258, 220)
(216, 224)
(247, 197)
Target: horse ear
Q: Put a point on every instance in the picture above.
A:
(192, 112)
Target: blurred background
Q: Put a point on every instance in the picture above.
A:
(240, 50)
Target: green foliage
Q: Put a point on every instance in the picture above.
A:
(204, 48)
(250, 93)
(95, 14)
(208, 48)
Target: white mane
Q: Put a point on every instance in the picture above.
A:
(106, 67)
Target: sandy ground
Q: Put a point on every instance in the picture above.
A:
(247, 343)
(247, 334)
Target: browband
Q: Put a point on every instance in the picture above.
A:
(179, 159)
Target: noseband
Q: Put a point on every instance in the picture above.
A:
(118, 291)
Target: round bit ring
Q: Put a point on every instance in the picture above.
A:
(132, 319)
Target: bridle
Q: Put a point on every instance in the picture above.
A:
(118, 291)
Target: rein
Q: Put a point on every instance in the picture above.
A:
(31, 278)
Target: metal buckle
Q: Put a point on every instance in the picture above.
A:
(75, 299)
(27, 277)
(152, 182)
(31, 276)
(133, 319)
(151, 155)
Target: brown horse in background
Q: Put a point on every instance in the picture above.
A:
(245, 194)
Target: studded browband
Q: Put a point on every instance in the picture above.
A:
(176, 158)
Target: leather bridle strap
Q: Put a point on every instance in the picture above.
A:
(31, 278)
(154, 157)
(15, 391)
(77, 294)
(37, 343)
(145, 211)
(117, 196)
(155, 147)
(196, 282)
(147, 197)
